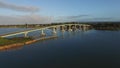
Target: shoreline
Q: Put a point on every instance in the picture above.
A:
(10, 46)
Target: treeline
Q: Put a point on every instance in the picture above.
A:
(94, 25)
(35, 25)
(24, 26)
(70, 23)
(106, 26)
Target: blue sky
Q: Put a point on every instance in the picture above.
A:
(65, 10)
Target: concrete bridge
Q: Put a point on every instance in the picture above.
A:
(63, 27)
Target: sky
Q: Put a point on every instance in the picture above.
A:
(47, 11)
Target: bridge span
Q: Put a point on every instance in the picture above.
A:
(63, 27)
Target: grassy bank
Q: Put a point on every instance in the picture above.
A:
(7, 41)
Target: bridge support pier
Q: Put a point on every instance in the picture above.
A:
(80, 27)
(63, 29)
(26, 34)
(84, 27)
(54, 31)
(42, 33)
(69, 28)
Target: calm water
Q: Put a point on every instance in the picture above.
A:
(80, 49)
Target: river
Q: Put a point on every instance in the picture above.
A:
(79, 49)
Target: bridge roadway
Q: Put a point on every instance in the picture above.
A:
(37, 29)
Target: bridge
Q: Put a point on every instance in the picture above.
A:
(63, 27)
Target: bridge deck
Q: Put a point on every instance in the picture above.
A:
(31, 30)
(23, 31)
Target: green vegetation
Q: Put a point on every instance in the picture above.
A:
(106, 26)
(7, 41)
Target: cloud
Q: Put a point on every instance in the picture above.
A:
(74, 17)
(22, 19)
(70, 18)
(98, 19)
(18, 8)
(30, 19)
(109, 18)
(83, 18)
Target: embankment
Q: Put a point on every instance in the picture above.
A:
(10, 46)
